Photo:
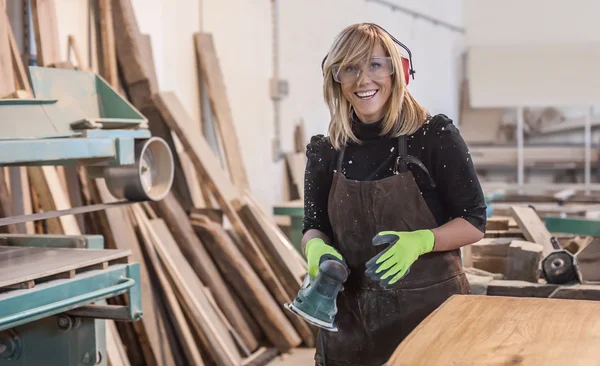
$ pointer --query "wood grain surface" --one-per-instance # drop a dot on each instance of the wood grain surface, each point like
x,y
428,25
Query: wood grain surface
x,y
490,330
21,264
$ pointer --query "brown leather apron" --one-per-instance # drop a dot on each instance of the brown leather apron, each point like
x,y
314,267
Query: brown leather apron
x,y
372,321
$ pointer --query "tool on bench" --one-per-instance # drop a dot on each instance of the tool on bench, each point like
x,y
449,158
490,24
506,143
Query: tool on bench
x,y
53,288
316,300
560,266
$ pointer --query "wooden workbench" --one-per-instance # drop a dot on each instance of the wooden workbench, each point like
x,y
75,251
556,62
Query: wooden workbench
x,y
493,330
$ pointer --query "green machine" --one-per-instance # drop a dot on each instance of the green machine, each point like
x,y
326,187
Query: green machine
x,y
53,288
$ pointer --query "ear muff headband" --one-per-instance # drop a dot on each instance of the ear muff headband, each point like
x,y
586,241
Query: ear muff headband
x,y
407,64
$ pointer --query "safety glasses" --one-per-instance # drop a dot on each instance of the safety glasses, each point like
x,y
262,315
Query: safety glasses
x,y
378,69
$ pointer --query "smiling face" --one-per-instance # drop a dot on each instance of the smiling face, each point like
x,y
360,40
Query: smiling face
x,y
369,96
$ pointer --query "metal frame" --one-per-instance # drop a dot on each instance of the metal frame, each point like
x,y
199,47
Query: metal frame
x,y
59,296
587,145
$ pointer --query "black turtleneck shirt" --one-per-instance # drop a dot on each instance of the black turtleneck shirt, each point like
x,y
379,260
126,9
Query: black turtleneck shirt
x,y
437,144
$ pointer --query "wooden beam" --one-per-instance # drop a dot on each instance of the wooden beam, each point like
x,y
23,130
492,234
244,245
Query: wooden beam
x,y
190,290
533,227
213,74
106,50
45,26
118,230
167,288
523,261
194,250
244,280
7,81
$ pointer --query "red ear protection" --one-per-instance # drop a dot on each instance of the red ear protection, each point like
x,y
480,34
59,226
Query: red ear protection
x,y
407,64
406,69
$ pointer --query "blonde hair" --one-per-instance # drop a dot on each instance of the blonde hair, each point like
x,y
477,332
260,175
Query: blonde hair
x,y
404,114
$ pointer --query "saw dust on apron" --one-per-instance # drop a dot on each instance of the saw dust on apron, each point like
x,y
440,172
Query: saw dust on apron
x,y
373,321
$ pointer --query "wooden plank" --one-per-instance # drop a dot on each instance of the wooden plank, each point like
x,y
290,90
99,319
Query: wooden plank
x,y
221,345
475,330
115,349
286,247
523,261
46,31
533,227
29,263
543,209
20,74
247,284
213,75
300,138
194,250
202,156
578,292
588,258
129,53
21,197
145,43
490,254
118,232
134,55
296,163
106,51
261,357
6,209
497,224
7,81
53,197
275,253
241,346
167,288
519,289
207,165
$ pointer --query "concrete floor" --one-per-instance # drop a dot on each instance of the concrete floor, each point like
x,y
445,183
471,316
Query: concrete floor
x,y
298,357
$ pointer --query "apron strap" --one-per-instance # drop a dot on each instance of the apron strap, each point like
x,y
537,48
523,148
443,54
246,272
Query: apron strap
x,y
340,159
403,159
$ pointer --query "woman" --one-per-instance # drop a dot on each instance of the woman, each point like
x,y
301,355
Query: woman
x,y
393,193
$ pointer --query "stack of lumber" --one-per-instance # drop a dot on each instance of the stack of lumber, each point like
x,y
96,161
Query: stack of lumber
x,y
215,268
506,262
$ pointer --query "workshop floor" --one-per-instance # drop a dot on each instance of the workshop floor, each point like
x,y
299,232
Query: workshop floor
x,y
299,357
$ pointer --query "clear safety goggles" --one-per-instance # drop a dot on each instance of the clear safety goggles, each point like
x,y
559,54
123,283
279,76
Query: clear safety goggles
x,y
379,68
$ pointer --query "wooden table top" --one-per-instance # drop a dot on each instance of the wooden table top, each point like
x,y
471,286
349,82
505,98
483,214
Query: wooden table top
x,y
494,330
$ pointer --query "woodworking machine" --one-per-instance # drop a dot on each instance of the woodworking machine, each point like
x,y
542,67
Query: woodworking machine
x,y
53,288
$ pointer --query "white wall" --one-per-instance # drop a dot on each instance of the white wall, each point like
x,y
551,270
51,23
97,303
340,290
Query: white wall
x,y
242,32
519,65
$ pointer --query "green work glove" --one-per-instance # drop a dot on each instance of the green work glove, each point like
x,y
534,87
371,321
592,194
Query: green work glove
x,y
315,250
405,247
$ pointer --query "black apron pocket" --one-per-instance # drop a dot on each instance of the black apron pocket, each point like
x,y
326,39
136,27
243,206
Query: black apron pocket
x,y
389,316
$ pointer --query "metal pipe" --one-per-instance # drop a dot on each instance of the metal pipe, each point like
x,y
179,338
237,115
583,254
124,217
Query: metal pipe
x,y
71,303
520,152
588,145
417,15
275,92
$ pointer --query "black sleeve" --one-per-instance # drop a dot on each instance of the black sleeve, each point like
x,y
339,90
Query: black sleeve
x,y
317,182
454,173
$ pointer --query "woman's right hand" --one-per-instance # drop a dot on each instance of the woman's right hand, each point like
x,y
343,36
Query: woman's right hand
x,y
315,250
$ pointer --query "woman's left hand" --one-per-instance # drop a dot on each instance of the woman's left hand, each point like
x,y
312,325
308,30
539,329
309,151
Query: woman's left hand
x,y
392,264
